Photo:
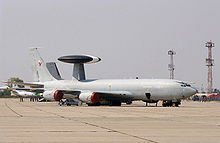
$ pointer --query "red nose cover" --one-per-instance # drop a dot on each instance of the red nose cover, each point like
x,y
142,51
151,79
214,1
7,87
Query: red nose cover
x,y
58,95
95,97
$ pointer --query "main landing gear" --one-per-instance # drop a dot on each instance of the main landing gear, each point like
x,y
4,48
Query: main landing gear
x,y
110,103
152,101
170,103
69,102
149,103
115,103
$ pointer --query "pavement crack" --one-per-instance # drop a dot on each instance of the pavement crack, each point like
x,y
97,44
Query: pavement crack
x,y
19,115
119,132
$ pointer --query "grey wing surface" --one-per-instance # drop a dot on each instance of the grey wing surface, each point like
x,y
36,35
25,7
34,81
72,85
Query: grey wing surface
x,y
114,95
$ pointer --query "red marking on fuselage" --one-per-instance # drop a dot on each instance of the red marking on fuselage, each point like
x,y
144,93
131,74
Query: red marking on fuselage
x,y
39,63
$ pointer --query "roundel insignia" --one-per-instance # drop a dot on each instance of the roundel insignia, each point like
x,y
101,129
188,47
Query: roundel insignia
x,y
39,63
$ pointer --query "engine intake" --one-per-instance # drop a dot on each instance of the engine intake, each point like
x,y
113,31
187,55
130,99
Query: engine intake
x,y
89,97
53,95
58,95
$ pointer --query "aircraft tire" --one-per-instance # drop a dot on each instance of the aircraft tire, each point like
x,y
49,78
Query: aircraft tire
x,y
94,104
115,103
167,103
177,104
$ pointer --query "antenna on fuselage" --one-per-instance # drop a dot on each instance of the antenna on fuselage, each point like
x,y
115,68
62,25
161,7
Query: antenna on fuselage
x,y
79,61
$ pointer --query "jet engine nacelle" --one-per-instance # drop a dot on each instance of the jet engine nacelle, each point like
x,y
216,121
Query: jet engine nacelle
x,y
89,97
53,95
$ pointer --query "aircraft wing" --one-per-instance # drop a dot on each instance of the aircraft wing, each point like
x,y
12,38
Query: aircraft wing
x,y
72,92
115,95
41,90
37,87
33,85
108,95
38,90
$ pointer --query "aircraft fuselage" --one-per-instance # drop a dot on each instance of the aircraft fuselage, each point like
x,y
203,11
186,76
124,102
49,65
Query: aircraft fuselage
x,y
134,89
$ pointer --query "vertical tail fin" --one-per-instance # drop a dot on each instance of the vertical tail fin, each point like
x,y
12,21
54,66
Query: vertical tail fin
x,y
39,69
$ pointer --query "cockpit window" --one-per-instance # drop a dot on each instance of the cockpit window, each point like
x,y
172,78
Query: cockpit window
x,y
183,84
188,85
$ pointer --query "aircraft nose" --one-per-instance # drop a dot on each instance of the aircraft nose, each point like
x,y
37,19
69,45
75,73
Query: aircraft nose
x,y
193,91
190,91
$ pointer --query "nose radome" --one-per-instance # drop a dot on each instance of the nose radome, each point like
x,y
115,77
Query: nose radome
x,y
190,91
193,91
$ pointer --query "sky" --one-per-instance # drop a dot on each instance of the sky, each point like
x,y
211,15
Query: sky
x,y
131,37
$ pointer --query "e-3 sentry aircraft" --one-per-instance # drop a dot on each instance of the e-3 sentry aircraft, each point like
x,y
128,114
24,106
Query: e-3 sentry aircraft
x,y
104,91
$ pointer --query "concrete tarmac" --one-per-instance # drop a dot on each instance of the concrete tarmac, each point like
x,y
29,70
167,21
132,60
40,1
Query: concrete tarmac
x,y
35,122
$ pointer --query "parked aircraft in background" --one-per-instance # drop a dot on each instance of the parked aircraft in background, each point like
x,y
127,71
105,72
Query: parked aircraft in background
x,y
26,94
4,87
103,92
22,93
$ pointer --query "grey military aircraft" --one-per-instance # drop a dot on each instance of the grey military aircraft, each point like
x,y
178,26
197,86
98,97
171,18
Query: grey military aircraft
x,y
103,91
